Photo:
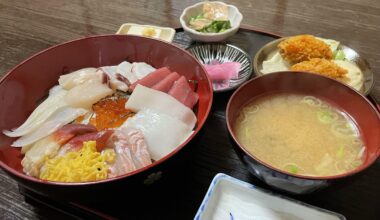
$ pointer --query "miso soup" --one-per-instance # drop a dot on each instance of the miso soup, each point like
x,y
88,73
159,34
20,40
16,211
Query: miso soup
x,y
300,134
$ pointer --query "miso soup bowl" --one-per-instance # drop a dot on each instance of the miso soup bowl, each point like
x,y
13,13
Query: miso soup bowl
x,y
358,107
23,88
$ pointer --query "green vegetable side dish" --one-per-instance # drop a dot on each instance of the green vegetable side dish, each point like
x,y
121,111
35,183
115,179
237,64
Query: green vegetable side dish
x,y
216,27
204,25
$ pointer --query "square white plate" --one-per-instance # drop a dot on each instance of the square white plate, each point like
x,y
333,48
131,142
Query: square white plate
x,y
232,199
162,33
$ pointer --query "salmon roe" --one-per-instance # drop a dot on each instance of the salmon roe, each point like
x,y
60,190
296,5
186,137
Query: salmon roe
x,y
110,113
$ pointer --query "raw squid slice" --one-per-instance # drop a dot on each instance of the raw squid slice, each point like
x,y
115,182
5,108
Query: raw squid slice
x,y
162,133
52,104
56,121
146,98
85,95
125,69
152,78
47,147
115,80
131,151
78,77
141,69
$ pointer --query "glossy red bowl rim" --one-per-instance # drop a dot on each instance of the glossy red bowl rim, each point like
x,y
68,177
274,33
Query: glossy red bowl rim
x,y
156,163
332,177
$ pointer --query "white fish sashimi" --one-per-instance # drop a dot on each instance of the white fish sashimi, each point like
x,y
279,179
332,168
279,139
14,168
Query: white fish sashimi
x,y
53,90
56,121
141,69
52,104
85,75
85,95
115,82
125,69
152,124
146,98
39,152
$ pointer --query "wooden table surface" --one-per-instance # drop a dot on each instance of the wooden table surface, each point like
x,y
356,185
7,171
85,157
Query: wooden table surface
x,y
27,27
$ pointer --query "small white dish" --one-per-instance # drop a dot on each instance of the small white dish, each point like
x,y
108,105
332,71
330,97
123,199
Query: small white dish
x,y
162,33
234,16
229,198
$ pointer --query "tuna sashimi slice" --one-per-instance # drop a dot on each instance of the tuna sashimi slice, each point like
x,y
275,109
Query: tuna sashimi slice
x,y
223,71
191,99
180,89
151,79
146,98
165,84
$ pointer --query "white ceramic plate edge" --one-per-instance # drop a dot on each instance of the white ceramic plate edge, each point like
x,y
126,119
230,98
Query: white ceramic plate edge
x,y
220,177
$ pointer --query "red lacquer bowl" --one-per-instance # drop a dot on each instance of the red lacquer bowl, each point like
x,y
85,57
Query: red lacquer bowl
x,y
28,83
343,97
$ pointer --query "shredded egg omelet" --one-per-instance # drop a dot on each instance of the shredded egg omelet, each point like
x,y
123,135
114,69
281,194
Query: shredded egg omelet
x,y
84,165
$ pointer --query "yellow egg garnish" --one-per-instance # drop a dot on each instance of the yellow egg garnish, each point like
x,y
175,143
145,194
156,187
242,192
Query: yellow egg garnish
x,y
84,165
149,32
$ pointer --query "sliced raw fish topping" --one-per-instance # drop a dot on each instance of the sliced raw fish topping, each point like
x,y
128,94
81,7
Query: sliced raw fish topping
x,y
55,102
87,94
146,98
76,143
125,69
151,79
165,84
182,91
78,77
141,69
163,133
132,151
56,121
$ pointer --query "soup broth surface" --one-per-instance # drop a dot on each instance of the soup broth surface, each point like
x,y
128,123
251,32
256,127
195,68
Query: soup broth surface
x,y
300,134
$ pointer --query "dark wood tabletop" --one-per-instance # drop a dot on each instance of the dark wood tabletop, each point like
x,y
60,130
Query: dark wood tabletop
x,y
27,27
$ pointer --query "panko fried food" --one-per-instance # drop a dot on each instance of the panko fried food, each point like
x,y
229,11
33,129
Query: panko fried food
x,y
323,67
303,48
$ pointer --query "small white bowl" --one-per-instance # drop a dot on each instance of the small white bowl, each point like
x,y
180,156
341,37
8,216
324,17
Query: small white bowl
x,y
234,16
